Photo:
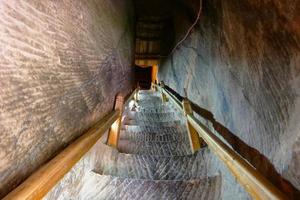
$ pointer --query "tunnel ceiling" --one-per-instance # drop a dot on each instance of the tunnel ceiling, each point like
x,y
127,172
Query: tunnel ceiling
x,y
153,20
155,27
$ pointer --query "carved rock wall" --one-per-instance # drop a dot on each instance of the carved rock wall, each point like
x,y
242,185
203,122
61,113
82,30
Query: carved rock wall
x,y
61,64
242,64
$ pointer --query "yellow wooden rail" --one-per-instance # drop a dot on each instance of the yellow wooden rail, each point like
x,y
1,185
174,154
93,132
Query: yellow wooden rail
x,y
45,178
130,97
252,180
114,131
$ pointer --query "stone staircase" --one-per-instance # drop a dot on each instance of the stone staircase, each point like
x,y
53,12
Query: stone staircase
x,y
153,160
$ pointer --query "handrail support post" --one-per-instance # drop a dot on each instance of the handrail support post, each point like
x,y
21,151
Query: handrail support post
x,y
136,95
164,97
153,87
195,142
114,131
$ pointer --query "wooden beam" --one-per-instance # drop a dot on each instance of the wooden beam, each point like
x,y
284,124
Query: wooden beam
x,y
146,62
114,131
193,136
154,73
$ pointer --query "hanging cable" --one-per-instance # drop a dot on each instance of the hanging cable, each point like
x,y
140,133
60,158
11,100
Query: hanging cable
x,y
189,30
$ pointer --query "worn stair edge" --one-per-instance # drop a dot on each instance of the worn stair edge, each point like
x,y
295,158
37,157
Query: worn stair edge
x,y
110,187
154,167
133,147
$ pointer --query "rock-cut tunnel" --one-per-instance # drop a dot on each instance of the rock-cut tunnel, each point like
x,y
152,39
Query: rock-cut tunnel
x,y
201,73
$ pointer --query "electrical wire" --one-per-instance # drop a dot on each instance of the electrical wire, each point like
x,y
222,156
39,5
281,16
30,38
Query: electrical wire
x,y
189,30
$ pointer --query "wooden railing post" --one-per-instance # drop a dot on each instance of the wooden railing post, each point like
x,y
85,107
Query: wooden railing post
x,y
153,87
163,95
114,131
136,95
192,133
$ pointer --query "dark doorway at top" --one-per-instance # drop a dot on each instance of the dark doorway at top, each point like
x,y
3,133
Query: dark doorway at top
x,y
143,77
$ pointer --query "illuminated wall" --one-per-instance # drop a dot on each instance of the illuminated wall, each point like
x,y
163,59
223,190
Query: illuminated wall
x,y
242,64
61,64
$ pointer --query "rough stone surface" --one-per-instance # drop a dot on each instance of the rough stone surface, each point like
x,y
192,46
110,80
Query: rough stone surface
x,y
144,172
61,64
154,167
240,67
108,187
174,148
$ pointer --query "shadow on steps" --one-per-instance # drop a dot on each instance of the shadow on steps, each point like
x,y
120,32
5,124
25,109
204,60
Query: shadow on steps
x,y
252,155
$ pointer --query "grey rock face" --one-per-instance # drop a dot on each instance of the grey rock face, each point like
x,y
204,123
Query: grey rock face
x,y
61,65
242,64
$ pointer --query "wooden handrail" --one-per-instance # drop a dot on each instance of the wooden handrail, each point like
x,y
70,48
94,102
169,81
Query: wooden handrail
x,y
46,177
252,180
114,131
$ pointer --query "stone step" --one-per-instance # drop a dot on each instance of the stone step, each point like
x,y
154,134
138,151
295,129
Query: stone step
x,y
153,117
152,98
155,129
154,167
148,92
155,109
149,104
155,137
152,108
152,123
115,188
154,148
